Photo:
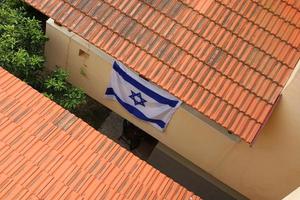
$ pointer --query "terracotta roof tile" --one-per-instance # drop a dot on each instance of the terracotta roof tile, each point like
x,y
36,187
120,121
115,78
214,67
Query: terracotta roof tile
x,y
236,54
48,153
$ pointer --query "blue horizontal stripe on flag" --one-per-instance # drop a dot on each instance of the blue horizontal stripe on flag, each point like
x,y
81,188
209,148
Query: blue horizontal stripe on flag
x,y
134,111
142,88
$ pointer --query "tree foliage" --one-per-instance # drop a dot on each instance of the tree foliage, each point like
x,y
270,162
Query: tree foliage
x,y
22,42
57,88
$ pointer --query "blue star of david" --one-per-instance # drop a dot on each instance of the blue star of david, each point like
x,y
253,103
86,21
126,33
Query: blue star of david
x,y
137,98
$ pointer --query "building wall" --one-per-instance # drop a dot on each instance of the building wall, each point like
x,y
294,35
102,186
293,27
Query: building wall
x,y
268,170
295,195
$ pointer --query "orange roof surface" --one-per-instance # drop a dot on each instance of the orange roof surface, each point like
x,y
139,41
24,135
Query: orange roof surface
x,y
48,153
228,59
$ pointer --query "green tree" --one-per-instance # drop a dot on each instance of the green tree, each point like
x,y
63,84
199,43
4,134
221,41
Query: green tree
x,y
22,42
57,88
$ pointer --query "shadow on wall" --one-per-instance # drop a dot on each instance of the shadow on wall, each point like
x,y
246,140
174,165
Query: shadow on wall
x,y
189,179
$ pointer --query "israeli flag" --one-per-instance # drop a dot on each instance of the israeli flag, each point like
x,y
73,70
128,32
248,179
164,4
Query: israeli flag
x,y
139,97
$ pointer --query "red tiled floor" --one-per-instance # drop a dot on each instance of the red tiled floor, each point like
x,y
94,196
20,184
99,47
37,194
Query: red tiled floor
x,y
253,45
48,153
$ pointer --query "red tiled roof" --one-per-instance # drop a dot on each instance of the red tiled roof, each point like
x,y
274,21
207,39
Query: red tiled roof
x,y
228,59
48,153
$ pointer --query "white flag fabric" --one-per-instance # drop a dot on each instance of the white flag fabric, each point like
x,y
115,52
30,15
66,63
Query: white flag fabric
x,y
141,98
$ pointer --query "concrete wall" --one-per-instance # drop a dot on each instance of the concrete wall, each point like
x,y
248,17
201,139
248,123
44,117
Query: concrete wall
x,y
268,170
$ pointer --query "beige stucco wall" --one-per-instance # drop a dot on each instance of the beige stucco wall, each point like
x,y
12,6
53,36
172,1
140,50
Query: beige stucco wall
x,y
269,170
295,195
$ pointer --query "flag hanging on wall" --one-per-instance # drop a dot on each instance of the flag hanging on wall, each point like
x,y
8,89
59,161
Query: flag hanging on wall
x,y
141,98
